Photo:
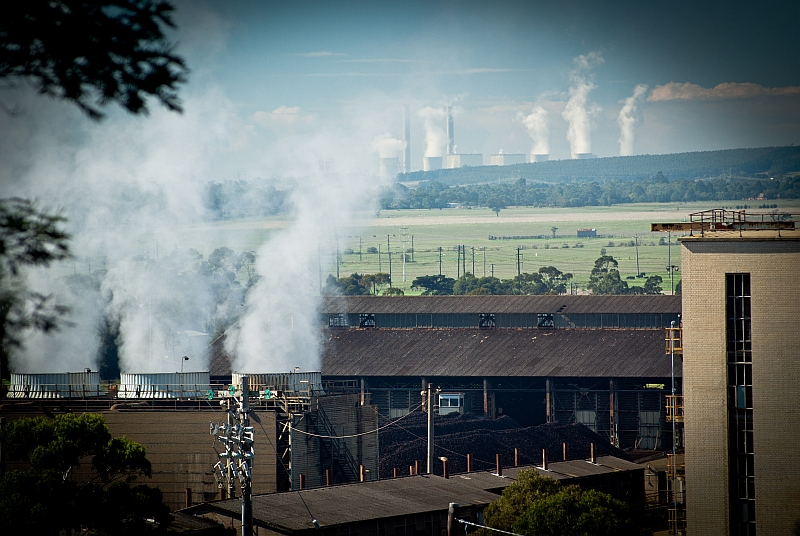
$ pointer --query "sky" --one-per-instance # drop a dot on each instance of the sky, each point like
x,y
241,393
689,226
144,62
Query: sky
x,y
311,94
717,75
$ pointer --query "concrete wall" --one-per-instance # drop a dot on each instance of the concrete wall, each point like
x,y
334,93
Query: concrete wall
x,y
775,288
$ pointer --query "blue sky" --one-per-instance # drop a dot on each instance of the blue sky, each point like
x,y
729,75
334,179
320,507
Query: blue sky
x,y
303,63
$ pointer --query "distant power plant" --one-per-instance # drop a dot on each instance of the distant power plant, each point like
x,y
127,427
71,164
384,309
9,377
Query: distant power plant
x,y
389,167
453,161
431,163
501,159
451,141
585,156
539,157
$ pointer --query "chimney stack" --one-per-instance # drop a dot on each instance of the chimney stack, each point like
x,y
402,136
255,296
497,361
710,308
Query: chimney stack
x,y
544,459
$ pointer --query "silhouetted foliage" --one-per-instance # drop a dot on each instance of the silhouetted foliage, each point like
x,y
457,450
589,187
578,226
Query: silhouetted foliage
x,y
93,53
50,497
29,237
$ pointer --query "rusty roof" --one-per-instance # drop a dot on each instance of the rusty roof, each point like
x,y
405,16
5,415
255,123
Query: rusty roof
x,y
565,304
473,352
293,511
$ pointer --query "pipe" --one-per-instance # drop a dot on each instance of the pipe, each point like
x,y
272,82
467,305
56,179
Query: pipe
x,y
361,473
445,472
592,453
451,514
544,459
394,473
302,481
188,497
516,457
564,451
328,477
469,463
498,465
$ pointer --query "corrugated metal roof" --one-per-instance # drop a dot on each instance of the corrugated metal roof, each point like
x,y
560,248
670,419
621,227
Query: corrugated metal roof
x,y
472,352
338,505
503,304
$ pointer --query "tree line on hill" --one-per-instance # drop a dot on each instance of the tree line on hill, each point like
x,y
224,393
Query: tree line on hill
x,y
768,161
658,189
604,279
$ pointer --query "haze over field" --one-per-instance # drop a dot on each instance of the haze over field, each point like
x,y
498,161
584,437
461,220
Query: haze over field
x,y
311,94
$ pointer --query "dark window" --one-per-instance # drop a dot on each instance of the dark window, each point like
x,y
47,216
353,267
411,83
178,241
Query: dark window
x,y
366,320
486,321
545,320
740,405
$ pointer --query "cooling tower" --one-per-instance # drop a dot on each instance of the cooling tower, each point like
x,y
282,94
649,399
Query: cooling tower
x,y
164,385
463,160
540,157
431,163
289,383
585,156
389,167
503,159
58,385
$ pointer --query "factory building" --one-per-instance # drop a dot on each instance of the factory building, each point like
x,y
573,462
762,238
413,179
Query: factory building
x,y
595,360
504,159
741,351
453,161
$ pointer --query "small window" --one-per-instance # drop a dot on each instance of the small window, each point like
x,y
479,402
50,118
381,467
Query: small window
x,y
337,321
366,320
486,321
545,320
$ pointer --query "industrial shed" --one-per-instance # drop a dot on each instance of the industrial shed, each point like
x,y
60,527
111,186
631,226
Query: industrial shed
x,y
415,504
595,360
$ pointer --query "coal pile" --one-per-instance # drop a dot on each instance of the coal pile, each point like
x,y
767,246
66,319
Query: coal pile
x,y
457,435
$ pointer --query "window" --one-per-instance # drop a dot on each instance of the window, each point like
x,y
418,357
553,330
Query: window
x,y
740,405
337,321
366,320
545,320
486,321
587,417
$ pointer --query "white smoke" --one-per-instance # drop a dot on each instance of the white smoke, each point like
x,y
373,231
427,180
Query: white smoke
x,y
577,111
126,185
538,130
435,135
387,146
627,120
280,329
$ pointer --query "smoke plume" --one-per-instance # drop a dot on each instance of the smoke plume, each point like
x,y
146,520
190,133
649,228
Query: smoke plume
x,y
577,111
387,146
536,123
627,120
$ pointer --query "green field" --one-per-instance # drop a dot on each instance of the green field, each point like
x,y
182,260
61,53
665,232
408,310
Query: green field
x,y
617,226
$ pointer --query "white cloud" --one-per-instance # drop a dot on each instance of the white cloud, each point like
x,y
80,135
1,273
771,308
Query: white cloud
x,y
726,90
320,54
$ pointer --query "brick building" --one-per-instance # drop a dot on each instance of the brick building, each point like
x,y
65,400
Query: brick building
x,y
741,348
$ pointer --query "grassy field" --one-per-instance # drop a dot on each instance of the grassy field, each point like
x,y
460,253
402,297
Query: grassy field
x,y
618,227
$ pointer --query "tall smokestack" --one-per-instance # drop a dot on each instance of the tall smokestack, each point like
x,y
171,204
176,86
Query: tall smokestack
x,y
407,138
450,136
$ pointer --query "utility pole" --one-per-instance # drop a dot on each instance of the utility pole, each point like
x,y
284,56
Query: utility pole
x,y
389,254
440,260
669,261
484,262
458,263
638,272
359,249
464,257
519,262
237,436
380,265
430,394
412,248
473,261
492,269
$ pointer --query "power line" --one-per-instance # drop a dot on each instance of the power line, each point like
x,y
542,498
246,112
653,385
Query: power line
x,y
356,435
465,522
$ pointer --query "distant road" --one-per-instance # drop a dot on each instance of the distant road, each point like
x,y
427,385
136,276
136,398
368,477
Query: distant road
x,y
589,215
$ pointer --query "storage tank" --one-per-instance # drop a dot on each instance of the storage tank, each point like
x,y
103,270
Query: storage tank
x,y
291,383
164,385
55,385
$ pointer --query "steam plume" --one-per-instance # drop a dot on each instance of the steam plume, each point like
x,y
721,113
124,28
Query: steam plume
x,y
577,112
627,120
435,137
536,123
387,146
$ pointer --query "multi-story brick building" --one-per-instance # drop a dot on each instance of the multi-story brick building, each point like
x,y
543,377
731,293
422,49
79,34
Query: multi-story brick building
x,y
741,373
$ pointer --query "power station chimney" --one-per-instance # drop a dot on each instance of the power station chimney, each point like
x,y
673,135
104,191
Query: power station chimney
x,y
450,135
406,168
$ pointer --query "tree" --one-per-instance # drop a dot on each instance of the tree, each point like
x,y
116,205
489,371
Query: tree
x,y
553,230
393,291
575,512
29,237
516,499
93,53
434,285
496,204
605,278
53,497
376,281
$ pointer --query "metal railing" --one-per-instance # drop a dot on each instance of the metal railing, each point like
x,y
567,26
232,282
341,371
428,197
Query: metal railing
x,y
674,408
54,390
674,336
